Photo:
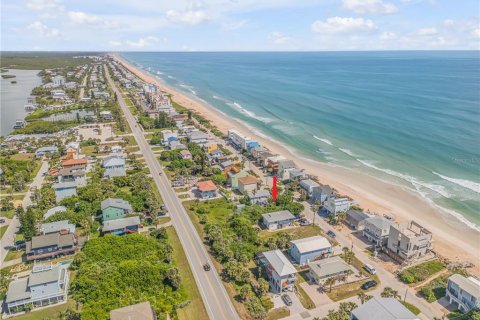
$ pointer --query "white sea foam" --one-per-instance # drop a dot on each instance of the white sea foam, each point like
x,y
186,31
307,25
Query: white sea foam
x,y
158,72
247,112
171,77
324,140
412,180
471,185
350,153
189,88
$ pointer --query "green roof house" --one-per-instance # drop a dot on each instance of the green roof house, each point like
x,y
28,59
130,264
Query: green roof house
x,y
114,208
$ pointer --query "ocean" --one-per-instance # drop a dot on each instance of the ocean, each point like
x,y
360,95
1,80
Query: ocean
x,y
412,118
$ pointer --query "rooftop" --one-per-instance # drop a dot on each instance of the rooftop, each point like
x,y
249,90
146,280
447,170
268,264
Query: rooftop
x,y
65,185
248,180
311,244
52,239
412,229
470,284
278,216
309,183
120,223
139,311
279,262
259,194
208,185
51,227
74,162
357,214
379,222
329,266
383,309
116,203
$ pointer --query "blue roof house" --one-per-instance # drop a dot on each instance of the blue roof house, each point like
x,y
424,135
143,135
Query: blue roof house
x,y
114,166
64,190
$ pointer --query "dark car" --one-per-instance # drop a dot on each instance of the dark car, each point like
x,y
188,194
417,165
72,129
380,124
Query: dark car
x,y
286,298
160,214
369,284
206,267
331,233
304,222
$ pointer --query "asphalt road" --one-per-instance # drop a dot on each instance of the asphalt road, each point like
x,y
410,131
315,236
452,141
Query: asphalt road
x,y
9,236
214,295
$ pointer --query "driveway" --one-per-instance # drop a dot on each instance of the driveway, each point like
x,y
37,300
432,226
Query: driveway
x,y
295,308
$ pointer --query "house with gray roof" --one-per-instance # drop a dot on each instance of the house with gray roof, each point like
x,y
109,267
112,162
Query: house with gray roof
x,y
356,219
333,267
278,220
382,309
280,272
377,230
122,225
57,226
115,208
463,292
46,285
199,137
139,311
64,190
309,186
309,249
284,168
259,197
50,246
323,193
40,152
114,166
71,175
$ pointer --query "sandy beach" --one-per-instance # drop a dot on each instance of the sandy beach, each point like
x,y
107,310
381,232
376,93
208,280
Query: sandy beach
x,y
452,238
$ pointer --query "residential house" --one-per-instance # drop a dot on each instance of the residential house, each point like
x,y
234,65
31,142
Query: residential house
x,y
323,193
64,190
69,175
106,115
280,272
168,136
58,94
309,186
53,211
237,139
75,164
71,153
278,220
45,150
272,163
46,285
139,311
186,155
337,204
115,208
463,292
259,197
61,226
409,240
260,155
233,174
382,309
333,267
377,230
356,219
284,168
198,137
247,183
114,166
224,165
176,145
309,249
297,175
122,225
209,147
207,189
50,246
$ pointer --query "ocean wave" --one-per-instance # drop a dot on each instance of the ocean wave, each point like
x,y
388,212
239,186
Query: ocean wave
x,y
471,185
189,88
412,180
249,113
158,72
324,140
350,153
170,77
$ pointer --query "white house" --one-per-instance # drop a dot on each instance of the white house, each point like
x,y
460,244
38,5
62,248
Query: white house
x,y
337,204
309,249
463,292
58,81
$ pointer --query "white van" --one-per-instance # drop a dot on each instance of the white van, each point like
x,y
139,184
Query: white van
x,y
370,269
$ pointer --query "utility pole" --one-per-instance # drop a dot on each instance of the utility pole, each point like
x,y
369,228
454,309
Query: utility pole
x,y
405,297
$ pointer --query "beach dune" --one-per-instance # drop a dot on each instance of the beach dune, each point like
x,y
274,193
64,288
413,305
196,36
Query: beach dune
x,y
452,238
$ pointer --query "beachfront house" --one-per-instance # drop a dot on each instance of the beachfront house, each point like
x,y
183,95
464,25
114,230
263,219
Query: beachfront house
x,y
64,190
237,139
114,166
309,186
247,184
284,168
280,272
278,220
333,267
50,246
260,155
139,311
309,249
337,204
271,163
356,219
377,230
45,285
463,293
297,174
121,226
61,226
323,193
115,208
259,197
382,309
198,137
409,240
206,189
43,151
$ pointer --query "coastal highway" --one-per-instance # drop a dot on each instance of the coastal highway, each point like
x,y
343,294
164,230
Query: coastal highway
x,y
214,295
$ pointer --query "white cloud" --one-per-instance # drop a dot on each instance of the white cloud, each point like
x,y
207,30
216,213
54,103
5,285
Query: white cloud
x,y
448,23
82,18
388,36
44,5
369,6
192,17
426,32
234,25
138,44
44,30
343,25
280,38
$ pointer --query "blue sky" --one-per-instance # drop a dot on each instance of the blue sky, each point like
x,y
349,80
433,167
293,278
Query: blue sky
x,y
239,25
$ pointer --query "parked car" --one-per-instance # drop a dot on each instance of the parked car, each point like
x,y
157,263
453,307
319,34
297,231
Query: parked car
x,y
370,268
286,298
163,207
304,222
160,214
331,233
2,220
369,284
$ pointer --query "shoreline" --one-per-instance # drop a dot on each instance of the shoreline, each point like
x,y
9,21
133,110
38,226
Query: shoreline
x,y
453,239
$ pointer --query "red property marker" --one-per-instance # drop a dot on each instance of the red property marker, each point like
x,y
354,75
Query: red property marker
x,y
274,189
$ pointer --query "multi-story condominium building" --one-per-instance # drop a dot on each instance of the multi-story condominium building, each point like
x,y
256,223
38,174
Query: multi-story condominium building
x,y
409,240
463,292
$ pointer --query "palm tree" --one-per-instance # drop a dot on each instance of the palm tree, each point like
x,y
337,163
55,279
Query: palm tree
x,y
389,293
330,282
363,297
